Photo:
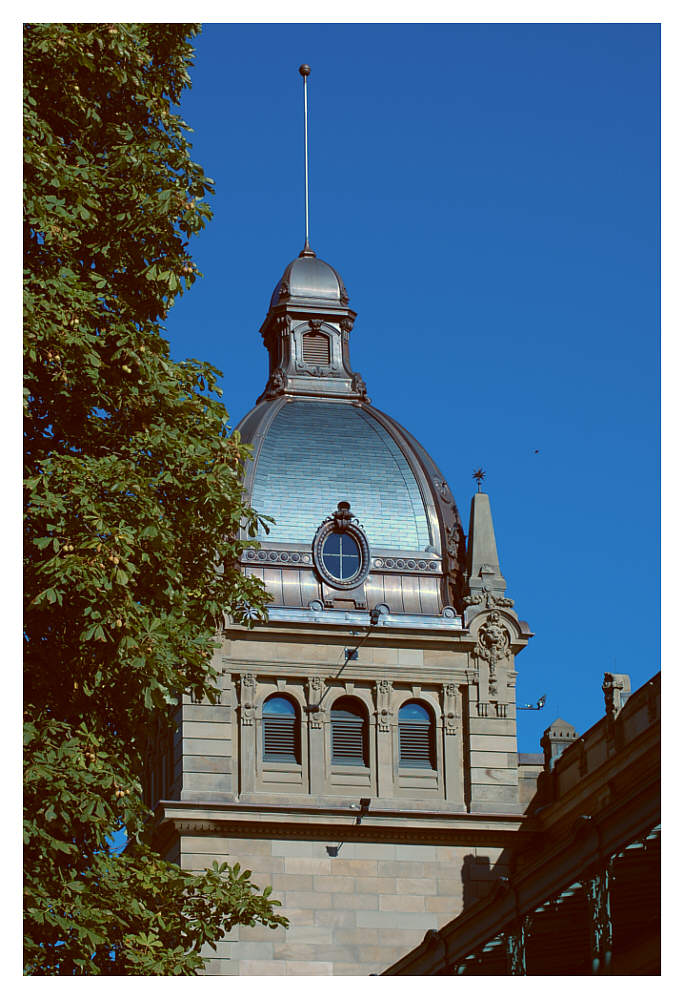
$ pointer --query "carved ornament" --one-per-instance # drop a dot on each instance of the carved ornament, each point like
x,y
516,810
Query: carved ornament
x,y
314,696
493,646
383,712
359,386
449,708
317,370
485,596
248,693
275,384
443,489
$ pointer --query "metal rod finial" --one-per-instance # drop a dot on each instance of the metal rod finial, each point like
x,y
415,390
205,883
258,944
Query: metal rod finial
x,y
305,70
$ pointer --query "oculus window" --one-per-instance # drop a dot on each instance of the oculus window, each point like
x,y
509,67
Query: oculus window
x,y
341,550
341,556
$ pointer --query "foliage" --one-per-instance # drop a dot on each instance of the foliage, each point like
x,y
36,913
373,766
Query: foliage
x,y
133,499
92,912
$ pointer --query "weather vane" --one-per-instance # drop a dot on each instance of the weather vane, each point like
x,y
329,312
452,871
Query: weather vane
x,y
479,475
305,70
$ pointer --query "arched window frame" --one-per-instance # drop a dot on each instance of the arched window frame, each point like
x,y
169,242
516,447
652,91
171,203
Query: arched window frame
x,y
417,738
344,735
281,728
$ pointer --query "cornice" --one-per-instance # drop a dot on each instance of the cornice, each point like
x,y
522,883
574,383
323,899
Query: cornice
x,y
266,821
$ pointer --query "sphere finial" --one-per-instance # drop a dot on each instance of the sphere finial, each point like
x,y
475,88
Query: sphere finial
x,y
305,70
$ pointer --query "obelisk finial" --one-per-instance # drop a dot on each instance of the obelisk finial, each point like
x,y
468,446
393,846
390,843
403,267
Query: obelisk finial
x,y
305,70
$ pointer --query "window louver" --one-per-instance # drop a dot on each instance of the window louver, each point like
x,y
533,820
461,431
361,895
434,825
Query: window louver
x,y
416,735
281,730
316,348
348,735
416,744
280,739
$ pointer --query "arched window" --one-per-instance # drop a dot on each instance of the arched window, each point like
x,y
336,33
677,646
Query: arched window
x,y
417,736
349,732
281,729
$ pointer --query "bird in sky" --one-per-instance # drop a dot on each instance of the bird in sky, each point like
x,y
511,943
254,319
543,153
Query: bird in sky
x,y
536,451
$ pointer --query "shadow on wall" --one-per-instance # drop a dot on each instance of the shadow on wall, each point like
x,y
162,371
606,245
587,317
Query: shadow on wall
x,y
478,876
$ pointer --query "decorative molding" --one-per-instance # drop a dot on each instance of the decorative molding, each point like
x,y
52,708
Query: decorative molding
x,y
453,541
248,694
275,384
316,370
597,891
489,598
300,825
383,690
450,693
414,565
359,386
612,688
266,555
314,696
493,646
443,489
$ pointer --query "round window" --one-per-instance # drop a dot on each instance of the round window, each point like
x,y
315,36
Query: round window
x,y
341,551
341,556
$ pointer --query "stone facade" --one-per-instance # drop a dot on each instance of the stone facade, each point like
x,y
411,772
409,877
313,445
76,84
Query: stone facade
x,y
472,703
365,859
353,907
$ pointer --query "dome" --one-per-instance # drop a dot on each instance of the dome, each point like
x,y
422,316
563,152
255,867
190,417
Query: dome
x,y
313,280
309,454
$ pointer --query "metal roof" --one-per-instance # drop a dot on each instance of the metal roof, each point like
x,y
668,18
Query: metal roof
x,y
315,453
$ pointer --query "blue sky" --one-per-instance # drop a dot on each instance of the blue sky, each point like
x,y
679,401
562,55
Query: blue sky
x,y
489,194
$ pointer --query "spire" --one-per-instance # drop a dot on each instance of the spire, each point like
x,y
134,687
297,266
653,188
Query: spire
x,y
483,561
308,325
307,251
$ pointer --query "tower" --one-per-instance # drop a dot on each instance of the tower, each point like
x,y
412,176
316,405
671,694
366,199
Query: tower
x,y
363,758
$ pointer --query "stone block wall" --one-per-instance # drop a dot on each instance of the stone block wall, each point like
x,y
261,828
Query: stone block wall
x,y
354,908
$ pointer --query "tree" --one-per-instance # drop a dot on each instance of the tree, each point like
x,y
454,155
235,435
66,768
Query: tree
x,y
133,501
